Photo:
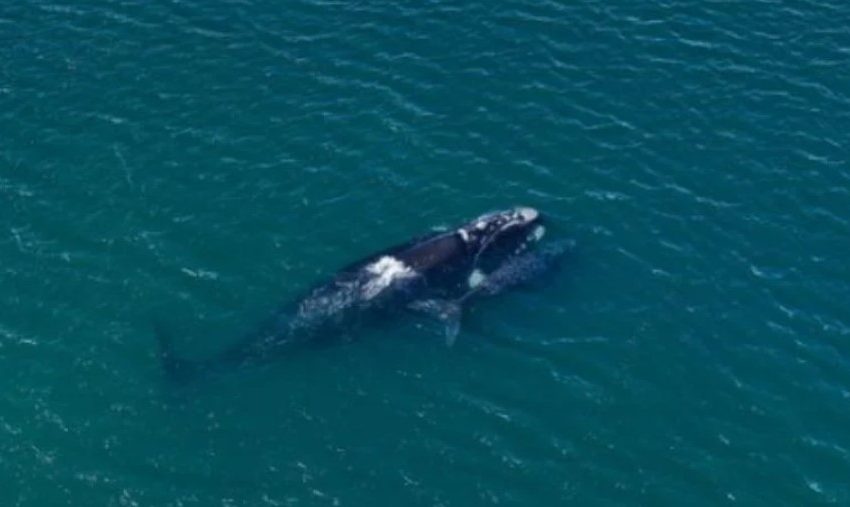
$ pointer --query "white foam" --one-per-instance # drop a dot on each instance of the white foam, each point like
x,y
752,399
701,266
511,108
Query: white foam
x,y
385,271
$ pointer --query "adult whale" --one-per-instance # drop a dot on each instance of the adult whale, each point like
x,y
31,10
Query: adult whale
x,y
430,274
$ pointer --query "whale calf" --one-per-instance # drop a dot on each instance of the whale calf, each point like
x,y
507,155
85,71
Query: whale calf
x,y
435,274
514,271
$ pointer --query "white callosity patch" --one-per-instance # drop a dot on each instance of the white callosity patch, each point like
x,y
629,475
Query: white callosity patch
x,y
538,233
533,237
382,273
527,214
463,235
476,278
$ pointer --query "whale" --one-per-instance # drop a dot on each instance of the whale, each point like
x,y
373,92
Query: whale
x,y
435,274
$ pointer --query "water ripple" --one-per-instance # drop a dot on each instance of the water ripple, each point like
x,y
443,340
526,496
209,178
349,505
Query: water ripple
x,y
208,161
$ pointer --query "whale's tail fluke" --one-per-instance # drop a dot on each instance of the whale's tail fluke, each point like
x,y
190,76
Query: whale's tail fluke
x,y
177,369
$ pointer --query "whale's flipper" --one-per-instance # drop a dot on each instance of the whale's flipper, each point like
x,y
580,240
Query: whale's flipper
x,y
176,369
448,312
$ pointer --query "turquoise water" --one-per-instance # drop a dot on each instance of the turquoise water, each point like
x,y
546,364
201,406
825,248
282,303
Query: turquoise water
x,y
202,162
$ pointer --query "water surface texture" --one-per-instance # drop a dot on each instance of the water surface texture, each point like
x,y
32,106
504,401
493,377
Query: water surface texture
x,y
201,162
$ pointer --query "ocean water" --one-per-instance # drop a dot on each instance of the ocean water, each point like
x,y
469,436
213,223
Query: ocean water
x,y
202,162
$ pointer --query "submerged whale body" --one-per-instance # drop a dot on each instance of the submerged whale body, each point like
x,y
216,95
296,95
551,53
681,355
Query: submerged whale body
x,y
435,274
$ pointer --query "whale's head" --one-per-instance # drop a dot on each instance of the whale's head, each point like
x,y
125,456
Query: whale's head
x,y
496,236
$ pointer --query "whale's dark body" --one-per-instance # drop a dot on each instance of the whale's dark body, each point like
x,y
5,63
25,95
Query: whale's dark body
x,y
440,270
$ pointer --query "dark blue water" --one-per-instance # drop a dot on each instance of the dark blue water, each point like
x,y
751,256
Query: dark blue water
x,y
202,162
